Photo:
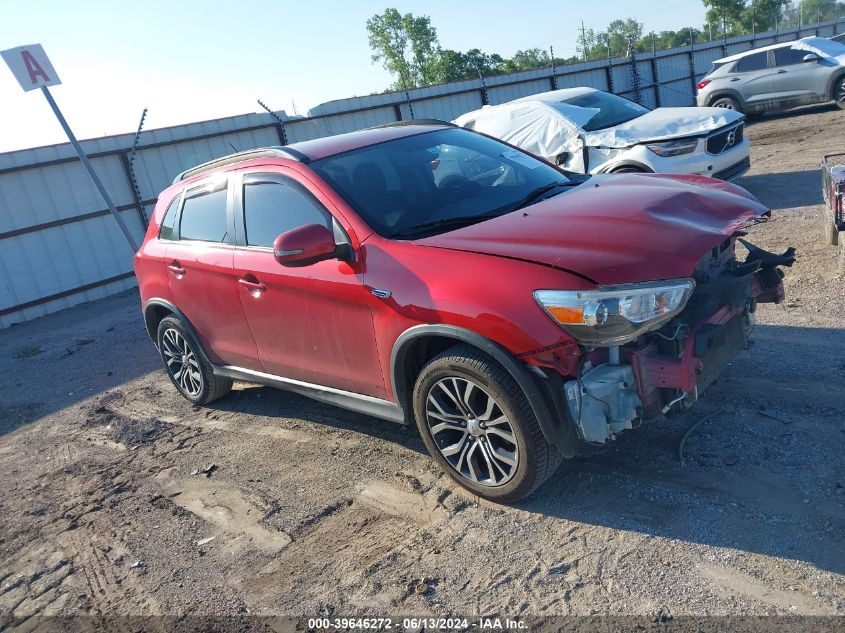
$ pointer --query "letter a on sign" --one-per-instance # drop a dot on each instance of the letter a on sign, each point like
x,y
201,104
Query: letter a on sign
x,y
31,66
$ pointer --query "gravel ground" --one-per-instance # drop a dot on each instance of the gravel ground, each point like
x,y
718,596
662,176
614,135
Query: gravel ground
x,y
118,497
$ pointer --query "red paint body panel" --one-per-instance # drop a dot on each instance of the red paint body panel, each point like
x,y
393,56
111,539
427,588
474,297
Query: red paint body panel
x,y
312,323
207,294
617,228
491,296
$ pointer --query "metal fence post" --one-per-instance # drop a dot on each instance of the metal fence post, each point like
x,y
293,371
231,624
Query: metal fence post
x,y
485,100
133,187
691,59
280,130
635,72
657,98
129,168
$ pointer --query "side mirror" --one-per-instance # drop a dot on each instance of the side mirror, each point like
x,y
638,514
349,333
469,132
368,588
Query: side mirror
x,y
562,158
810,57
304,245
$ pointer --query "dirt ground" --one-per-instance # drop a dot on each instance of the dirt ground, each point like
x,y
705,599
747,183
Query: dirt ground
x,y
107,508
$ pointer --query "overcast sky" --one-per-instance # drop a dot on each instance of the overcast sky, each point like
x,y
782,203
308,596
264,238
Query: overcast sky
x,y
187,60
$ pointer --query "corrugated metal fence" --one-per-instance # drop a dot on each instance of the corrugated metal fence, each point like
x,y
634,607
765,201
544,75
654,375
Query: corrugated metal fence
x,y
60,247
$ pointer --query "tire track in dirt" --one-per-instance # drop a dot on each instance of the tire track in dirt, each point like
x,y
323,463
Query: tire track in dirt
x,y
337,553
735,582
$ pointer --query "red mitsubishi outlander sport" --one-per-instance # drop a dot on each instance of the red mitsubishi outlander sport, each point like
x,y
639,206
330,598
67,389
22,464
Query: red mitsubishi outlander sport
x,y
428,274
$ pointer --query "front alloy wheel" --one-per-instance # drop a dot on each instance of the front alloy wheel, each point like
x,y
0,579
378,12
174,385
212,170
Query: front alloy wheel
x,y
479,426
471,431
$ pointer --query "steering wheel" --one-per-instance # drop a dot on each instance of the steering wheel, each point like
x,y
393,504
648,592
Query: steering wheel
x,y
457,186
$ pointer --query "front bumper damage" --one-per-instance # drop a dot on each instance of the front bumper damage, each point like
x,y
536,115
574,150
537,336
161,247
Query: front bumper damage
x,y
619,388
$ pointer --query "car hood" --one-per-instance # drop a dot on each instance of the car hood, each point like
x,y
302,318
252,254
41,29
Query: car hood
x,y
663,124
616,228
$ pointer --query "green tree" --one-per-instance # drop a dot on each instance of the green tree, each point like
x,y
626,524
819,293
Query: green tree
x,y
814,10
762,15
725,14
406,46
528,60
614,41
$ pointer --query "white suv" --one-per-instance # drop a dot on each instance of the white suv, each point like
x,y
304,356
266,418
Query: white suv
x,y
590,131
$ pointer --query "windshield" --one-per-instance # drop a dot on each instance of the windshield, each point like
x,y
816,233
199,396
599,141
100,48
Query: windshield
x,y
613,110
436,181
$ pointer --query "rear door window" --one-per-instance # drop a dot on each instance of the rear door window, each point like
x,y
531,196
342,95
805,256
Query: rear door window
x,y
789,56
204,216
169,221
750,63
273,207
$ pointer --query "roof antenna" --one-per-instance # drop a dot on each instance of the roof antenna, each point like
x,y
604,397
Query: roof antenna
x,y
283,136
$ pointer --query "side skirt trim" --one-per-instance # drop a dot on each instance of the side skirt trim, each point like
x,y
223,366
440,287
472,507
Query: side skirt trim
x,y
367,405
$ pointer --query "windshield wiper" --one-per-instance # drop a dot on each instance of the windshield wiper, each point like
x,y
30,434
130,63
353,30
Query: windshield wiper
x,y
539,191
450,223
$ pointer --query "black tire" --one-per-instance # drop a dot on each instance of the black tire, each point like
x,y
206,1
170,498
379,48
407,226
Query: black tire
x,y
199,385
629,170
729,103
535,459
839,91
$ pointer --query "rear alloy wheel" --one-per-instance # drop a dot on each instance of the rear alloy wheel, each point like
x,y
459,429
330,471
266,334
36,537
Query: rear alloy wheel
x,y
728,103
186,366
479,426
839,92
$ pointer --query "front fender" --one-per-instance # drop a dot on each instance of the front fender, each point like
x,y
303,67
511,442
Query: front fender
x,y
550,419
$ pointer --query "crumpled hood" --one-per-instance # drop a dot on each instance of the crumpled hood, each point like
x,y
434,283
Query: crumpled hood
x,y
616,228
663,124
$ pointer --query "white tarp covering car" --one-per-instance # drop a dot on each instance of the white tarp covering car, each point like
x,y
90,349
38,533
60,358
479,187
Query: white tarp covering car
x,y
587,130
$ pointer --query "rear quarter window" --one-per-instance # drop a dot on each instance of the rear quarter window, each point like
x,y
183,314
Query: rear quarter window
x,y
169,221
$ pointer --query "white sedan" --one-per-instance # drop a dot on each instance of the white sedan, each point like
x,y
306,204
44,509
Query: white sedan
x,y
590,131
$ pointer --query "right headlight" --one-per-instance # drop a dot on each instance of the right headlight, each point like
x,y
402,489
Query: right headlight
x,y
674,148
615,315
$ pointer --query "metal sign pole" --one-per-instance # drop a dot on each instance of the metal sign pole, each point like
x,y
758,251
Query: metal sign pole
x,y
89,168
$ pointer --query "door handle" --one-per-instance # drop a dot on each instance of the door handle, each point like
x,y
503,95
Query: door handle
x,y
176,269
781,71
252,284
736,79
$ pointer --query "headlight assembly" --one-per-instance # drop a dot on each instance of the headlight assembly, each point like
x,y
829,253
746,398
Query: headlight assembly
x,y
674,148
615,315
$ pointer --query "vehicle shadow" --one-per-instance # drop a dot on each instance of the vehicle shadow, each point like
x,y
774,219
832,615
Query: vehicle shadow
x,y
763,475
812,109
276,403
787,190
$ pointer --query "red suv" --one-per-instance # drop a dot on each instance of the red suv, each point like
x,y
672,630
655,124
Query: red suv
x,y
428,274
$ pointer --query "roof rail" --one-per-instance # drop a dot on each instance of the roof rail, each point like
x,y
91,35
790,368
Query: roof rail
x,y
261,152
413,122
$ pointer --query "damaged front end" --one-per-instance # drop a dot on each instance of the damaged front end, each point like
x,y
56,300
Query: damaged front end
x,y
646,375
